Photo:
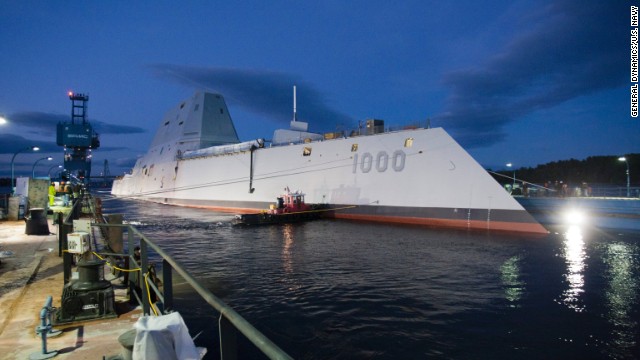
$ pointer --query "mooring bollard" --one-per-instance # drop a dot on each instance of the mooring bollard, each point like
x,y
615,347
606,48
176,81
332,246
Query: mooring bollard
x,y
44,329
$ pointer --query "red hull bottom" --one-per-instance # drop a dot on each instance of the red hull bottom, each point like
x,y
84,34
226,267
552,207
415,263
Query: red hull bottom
x,y
510,221
512,227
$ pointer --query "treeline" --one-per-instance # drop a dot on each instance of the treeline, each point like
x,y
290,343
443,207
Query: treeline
x,y
605,170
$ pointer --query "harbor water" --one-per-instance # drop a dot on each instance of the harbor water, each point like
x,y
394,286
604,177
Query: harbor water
x,y
348,290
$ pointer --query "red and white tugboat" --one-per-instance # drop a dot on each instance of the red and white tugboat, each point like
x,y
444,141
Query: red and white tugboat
x,y
290,207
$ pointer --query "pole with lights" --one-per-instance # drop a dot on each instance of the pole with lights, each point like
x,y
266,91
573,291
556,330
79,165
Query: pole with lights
x,y
509,165
53,167
622,158
32,148
33,169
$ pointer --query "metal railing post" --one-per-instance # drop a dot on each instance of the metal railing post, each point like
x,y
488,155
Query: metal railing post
x,y
62,233
132,265
143,272
75,209
167,289
67,258
228,339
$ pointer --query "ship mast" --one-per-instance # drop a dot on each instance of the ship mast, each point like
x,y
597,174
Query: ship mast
x,y
295,115
296,125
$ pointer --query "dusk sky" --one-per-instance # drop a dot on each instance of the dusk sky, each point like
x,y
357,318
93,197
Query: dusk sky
x,y
525,82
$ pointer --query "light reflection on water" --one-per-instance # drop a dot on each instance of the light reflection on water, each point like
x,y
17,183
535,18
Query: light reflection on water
x,y
574,254
514,286
622,270
287,235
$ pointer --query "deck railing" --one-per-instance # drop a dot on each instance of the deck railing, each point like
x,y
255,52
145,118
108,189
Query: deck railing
x,y
230,322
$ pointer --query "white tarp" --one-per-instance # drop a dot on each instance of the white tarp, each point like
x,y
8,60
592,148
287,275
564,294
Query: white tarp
x,y
164,337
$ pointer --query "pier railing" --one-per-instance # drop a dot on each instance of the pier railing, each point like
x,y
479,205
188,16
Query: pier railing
x,y
230,322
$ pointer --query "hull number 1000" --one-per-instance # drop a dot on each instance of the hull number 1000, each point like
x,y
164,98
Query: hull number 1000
x,y
381,162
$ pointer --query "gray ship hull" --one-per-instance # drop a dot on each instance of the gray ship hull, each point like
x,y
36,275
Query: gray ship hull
x,y
416,176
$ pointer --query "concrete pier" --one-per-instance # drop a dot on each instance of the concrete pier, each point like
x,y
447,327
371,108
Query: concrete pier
x,y
35,272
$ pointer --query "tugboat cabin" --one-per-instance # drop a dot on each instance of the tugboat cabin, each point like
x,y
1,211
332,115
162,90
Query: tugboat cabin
x,y
290,202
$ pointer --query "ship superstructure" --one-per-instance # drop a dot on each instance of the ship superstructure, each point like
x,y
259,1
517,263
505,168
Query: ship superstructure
x,y
415,176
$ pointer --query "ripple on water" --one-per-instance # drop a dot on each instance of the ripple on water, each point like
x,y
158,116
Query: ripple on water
x,y
334,289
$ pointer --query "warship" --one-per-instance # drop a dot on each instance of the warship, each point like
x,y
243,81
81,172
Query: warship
x,y
415,175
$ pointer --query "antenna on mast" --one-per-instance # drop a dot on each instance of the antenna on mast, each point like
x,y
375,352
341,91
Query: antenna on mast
x,y
296,125
295,115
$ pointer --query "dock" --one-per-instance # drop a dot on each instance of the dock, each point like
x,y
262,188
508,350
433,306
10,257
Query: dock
x,y
27,278
95,307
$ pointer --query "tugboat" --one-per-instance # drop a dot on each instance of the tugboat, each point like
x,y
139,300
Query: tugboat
x,y
290,207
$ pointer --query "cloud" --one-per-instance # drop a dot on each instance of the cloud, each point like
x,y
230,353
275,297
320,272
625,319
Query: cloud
x,y
104,128
126,163
41,123
38,123
268,93
575,48
12,143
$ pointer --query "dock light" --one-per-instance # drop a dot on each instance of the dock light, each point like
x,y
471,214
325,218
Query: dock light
x,y
53,167
509,165
622,158
33,169
574,217
3,120
32,148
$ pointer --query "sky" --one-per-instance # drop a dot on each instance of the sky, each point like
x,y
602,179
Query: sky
x,y
523,82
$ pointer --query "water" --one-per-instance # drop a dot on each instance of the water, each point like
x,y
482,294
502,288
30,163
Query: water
x,y
348,290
